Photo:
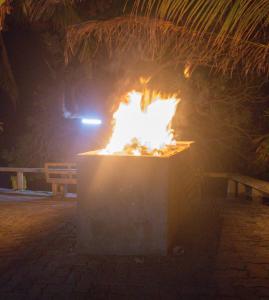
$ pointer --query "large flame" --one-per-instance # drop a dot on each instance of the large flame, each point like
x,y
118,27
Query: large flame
x,y
142,124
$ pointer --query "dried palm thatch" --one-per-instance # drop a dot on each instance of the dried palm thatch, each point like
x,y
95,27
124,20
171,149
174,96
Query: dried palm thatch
x,y
5,8
239,19
159,40
59,13
231,21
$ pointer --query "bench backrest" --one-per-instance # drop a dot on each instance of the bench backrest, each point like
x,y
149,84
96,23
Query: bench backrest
x,y
61,173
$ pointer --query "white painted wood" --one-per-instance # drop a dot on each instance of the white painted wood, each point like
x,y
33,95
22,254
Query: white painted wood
x,y
20,181
54,188
232,188
63,189
24,170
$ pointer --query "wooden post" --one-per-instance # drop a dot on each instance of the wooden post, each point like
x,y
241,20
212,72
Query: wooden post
x,y
232,188
257,196
54,187
241,189
63,189
20,181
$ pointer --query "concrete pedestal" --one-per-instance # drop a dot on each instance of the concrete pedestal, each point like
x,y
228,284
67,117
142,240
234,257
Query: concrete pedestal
x,y
137,205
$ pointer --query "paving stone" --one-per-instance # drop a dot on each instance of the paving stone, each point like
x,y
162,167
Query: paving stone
x,y
263,291
38,259
12,296
36,292
230,273
252,282
257,271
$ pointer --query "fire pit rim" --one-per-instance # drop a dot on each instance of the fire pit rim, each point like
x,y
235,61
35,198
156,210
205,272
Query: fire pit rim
x,y
183,144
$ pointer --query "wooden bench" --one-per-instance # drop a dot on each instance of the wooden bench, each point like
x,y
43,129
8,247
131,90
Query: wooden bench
x,y
20,173
241,185
60,175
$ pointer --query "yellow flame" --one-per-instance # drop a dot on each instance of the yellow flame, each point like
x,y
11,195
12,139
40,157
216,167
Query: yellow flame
x,y
187,71
144,80
142,125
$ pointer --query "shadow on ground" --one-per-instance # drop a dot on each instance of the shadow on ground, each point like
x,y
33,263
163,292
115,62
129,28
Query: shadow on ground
x,y
39,260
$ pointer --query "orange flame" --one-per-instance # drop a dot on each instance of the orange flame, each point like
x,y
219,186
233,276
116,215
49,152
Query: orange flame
x,y
142,125
187,71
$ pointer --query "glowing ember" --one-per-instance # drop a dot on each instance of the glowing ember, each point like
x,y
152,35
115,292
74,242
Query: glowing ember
x,y
142,125
187,71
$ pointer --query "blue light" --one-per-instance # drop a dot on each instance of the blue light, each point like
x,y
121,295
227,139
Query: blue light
x,y
87,121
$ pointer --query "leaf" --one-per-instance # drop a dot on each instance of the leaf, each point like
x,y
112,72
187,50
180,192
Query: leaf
x,y
157,39
232,22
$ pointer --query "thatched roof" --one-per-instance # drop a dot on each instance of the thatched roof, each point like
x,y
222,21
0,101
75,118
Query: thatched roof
x,y
157,39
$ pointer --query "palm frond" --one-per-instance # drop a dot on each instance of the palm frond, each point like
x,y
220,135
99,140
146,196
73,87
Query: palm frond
x,y
60,13
5,8
240,27
233,20
156,39
7,80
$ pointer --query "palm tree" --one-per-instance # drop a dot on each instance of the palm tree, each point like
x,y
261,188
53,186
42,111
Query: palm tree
x,y
238,26
225,34
7,80
53,17
5,8
60,15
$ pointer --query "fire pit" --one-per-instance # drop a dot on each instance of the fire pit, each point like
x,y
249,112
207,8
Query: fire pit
x,y
139,195
137,205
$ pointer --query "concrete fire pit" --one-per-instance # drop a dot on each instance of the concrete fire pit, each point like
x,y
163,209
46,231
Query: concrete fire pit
x,y
137,205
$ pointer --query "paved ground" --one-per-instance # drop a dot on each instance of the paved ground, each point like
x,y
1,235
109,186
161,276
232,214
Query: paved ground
x,y
39,259
242,264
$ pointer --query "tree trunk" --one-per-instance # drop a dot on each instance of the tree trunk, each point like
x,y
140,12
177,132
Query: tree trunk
x,y
7,80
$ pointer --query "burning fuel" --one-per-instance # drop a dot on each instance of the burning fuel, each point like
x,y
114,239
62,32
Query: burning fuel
x,y
142,124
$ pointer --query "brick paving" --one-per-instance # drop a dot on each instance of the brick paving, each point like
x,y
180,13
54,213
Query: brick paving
x,y
39,258
242,263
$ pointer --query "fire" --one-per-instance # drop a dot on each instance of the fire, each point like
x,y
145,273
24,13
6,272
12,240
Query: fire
x,y
187,71
142,124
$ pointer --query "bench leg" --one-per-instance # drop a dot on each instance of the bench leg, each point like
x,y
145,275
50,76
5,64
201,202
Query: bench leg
x,y
54,188
63,189
58,189
257,196
20,181
232,188
241,190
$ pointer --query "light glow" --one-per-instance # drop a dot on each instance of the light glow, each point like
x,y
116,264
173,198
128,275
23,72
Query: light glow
x,y
87,121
